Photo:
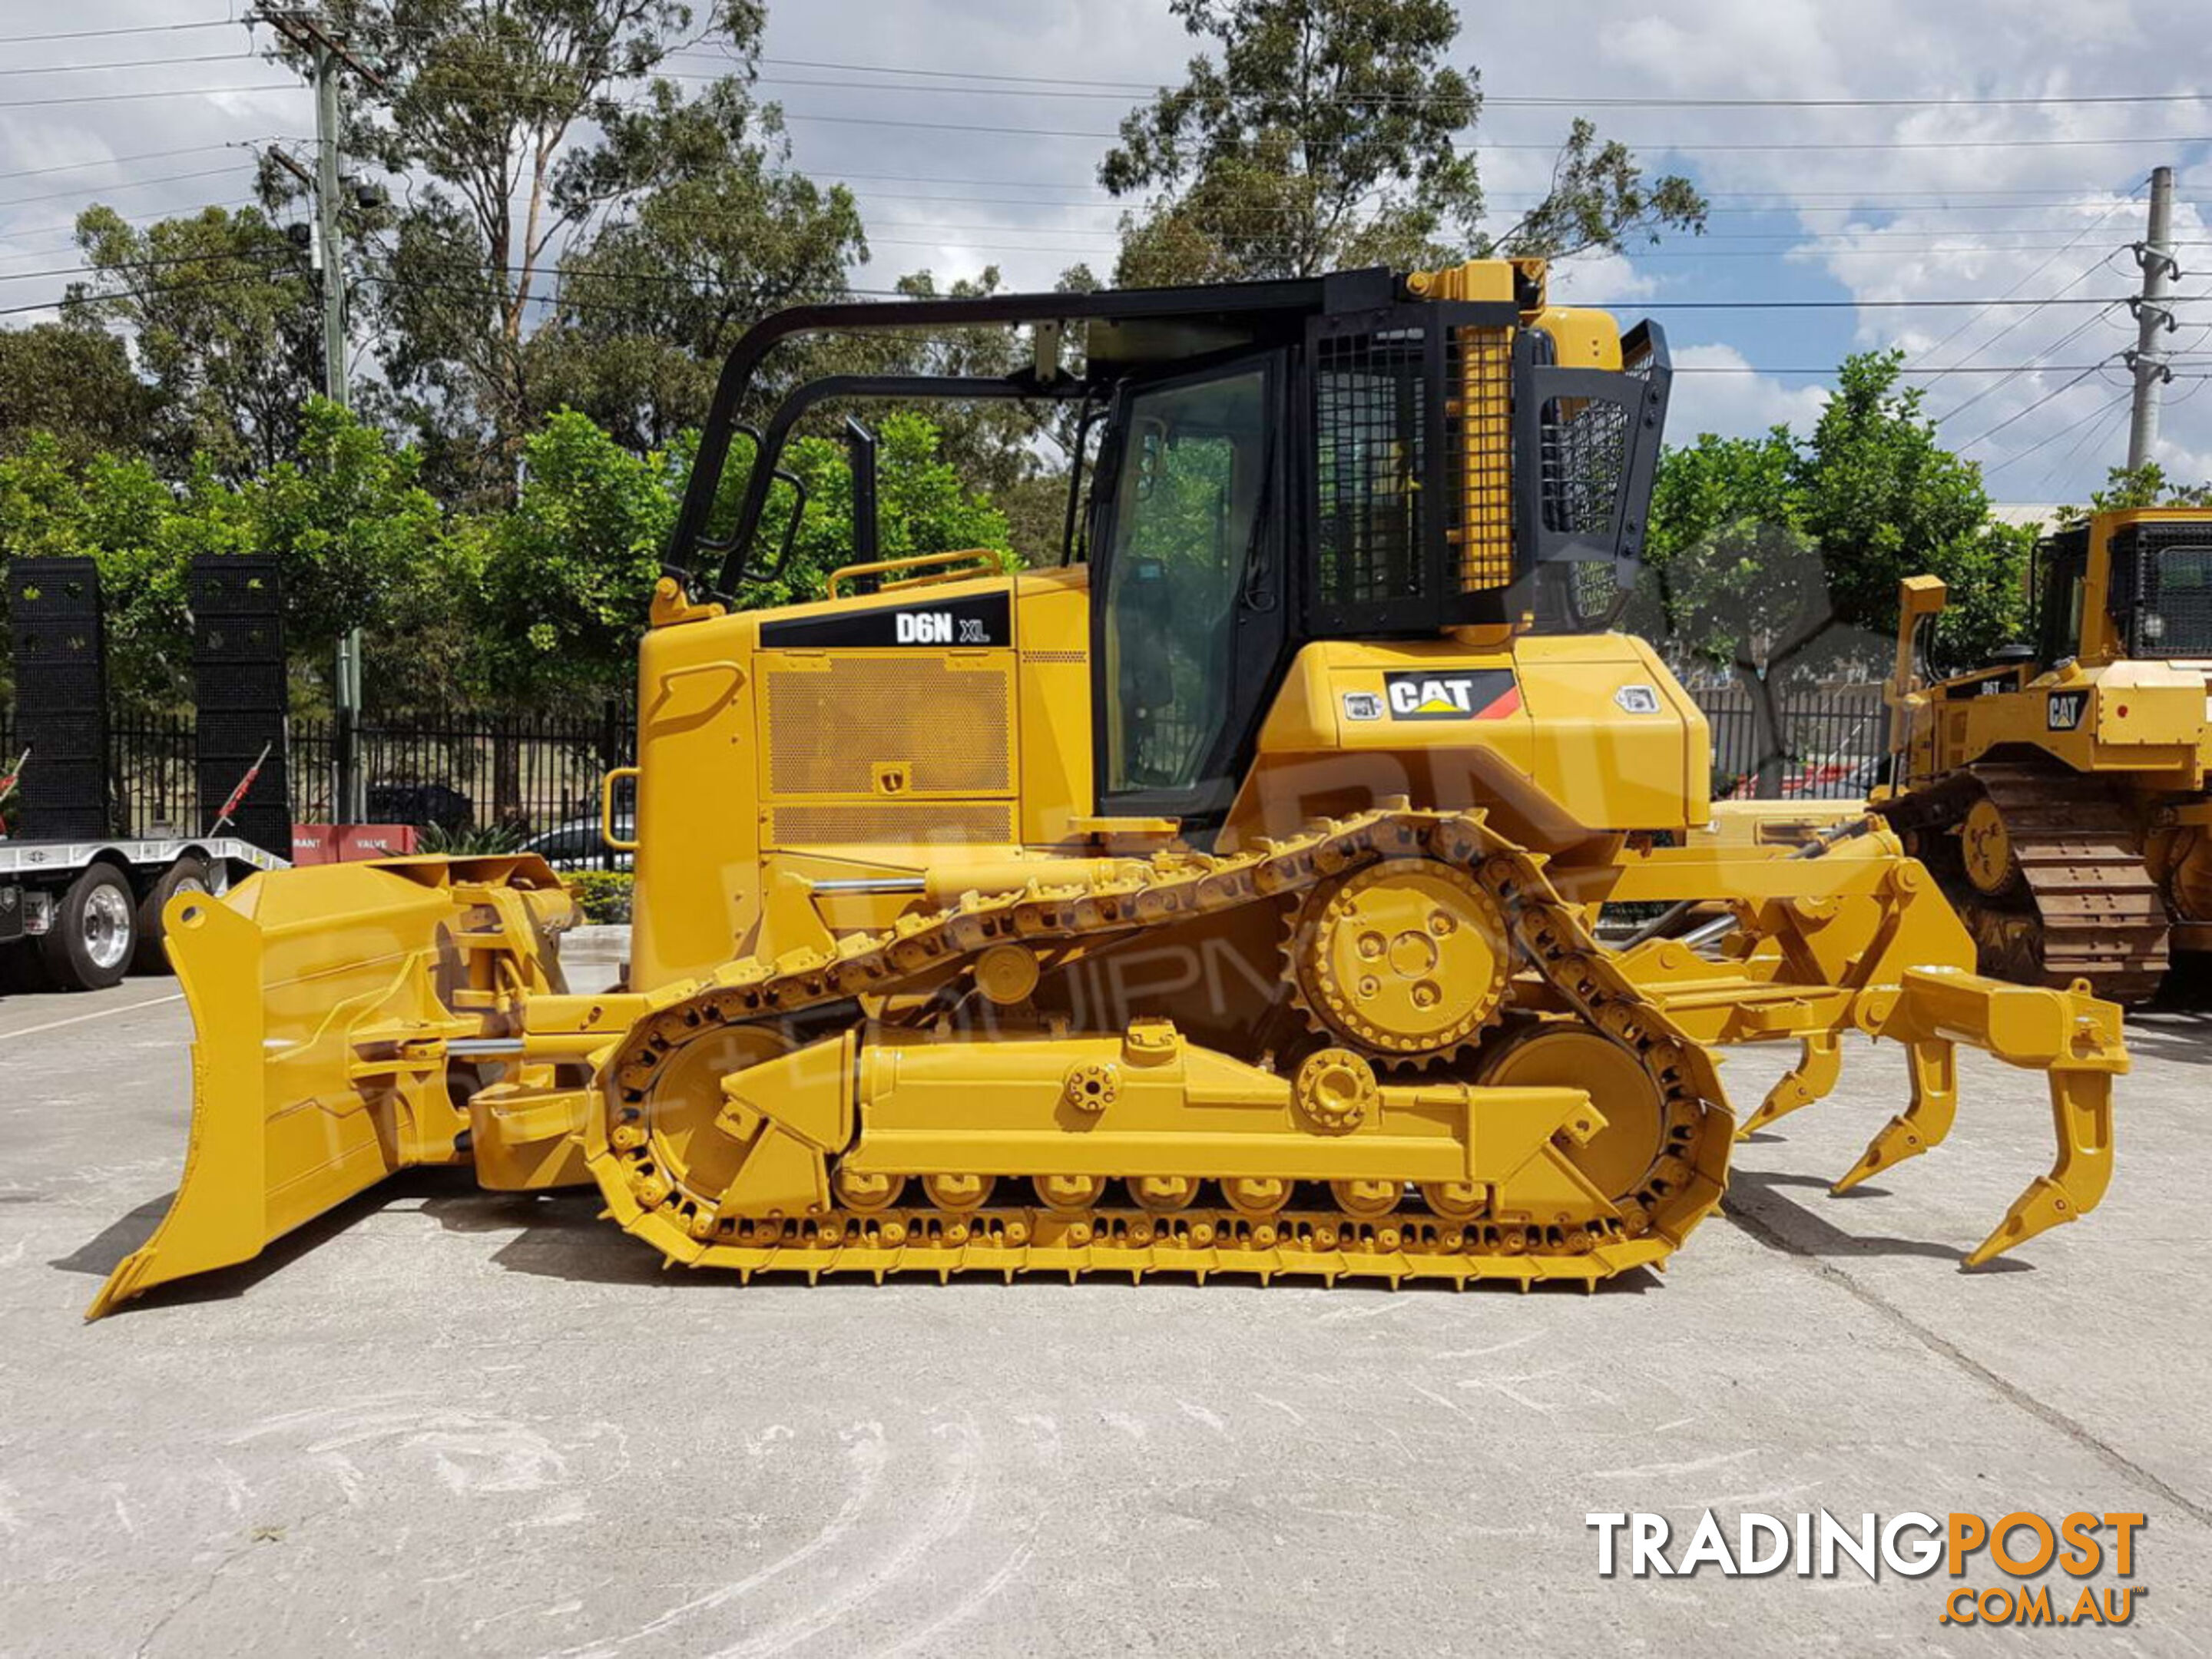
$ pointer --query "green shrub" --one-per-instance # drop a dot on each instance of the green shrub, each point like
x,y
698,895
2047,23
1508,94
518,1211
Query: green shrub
x,y
602,895
467,841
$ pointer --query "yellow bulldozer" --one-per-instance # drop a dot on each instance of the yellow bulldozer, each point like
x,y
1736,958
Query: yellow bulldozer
x,y
2058,792
1229,898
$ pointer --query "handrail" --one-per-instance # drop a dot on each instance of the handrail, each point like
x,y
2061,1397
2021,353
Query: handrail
x,y
911,561
607,782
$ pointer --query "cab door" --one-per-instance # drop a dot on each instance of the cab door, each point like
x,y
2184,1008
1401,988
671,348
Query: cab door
x,y
1189,614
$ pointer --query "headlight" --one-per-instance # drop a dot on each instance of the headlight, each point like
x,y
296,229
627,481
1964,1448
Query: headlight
x,y
2154,626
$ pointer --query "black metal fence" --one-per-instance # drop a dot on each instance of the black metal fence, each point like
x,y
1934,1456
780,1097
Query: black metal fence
x,y
528,774
1818,743
531,773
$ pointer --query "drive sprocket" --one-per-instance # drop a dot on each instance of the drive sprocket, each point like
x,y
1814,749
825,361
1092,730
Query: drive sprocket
x,y
1406,960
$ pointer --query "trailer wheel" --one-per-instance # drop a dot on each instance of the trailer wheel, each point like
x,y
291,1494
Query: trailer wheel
x,y
188,874
94,933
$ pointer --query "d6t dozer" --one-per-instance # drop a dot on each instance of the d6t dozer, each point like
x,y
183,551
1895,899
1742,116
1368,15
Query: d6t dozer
x,y
2058,793
1224,900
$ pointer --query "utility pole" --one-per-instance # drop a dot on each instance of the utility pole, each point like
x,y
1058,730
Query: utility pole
x,y
2153,315
302,30
351,793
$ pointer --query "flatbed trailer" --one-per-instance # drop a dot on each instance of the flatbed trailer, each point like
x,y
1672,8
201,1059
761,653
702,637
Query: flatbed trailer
x,y
77,916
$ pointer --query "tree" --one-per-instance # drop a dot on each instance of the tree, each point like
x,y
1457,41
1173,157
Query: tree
x,y
2144,486
569,572
1733,581
1778,557
220,312
1883,499
116,511
73,380
355,535
923,505
362,543
1874,494
516,126
653,301
1327,136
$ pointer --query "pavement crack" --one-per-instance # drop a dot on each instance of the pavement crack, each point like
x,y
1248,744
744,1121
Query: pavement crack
x,y
1767,1233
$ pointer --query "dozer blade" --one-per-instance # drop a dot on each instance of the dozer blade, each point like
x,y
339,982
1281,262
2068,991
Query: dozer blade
x,y
2070,1036
323,1000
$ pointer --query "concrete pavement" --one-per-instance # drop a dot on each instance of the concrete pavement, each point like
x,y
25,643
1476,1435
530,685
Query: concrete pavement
x,y
444,1418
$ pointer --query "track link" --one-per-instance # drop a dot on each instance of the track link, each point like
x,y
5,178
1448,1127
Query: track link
x,y
2089,908
1682,1185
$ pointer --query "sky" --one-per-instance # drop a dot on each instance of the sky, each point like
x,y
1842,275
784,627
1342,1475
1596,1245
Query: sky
x,y
1854,205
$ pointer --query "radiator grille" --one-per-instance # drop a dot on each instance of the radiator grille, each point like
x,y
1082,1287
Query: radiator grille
x,y
917,822
829,726
1481,427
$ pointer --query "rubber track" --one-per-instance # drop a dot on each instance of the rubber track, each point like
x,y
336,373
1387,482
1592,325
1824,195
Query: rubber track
x,y
1682,1185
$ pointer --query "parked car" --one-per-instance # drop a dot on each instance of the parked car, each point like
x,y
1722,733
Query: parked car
x,y
391,802
576,845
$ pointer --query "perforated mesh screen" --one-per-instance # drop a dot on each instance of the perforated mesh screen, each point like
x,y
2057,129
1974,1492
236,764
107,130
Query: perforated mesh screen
x,y
1481,365
831,726
1367,392
916,822
1585,458
2174,619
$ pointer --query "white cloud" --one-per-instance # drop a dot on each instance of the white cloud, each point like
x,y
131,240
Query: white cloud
x,y
1720,394
1601,276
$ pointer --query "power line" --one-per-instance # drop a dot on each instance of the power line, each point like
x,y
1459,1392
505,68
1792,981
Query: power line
x,y
1509,199
2086,232
574,302
68,227
1835,305
2100,432
2167,139
1540,100
139,264
1062,132
135,28
1854,200
2096,411
2021,414
1759,368
2071,335
128,184
114,160
129,293
245,56
171,92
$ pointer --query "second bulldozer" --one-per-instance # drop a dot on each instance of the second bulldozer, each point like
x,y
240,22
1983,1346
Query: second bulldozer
x,y
1225,899
2058,792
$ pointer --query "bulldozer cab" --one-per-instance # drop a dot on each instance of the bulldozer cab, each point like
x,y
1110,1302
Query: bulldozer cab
x,y
2129,585
1358,457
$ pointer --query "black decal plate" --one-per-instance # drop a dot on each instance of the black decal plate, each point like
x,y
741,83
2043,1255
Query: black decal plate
x,y
1451,694
2065,710
974,620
